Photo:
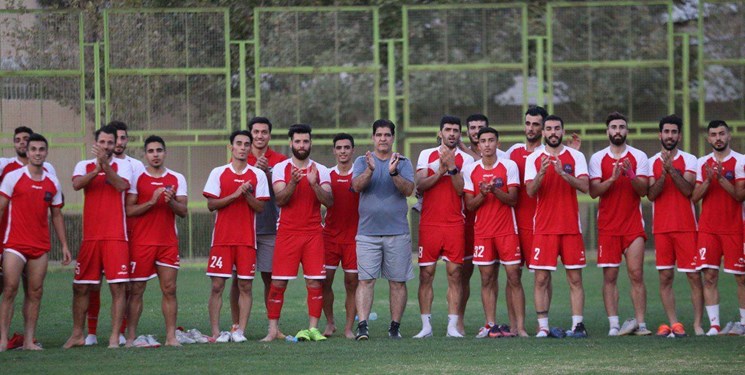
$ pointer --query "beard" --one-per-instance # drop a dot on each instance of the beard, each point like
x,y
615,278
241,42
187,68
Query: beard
x,y
720,149
548,141
300,154
617,140
669,147
21,154
533,139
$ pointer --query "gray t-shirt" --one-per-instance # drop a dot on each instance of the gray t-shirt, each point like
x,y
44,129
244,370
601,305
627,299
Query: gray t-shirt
x,y
382,207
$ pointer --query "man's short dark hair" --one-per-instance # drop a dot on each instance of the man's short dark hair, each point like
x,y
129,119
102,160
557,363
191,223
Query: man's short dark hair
x,y
554,118
615,116
487,129
717,123
299,129
259,120
23,129
155,138
449,120
537,111
342,136
240,132
107,129
672,119
119,125
383,123
36,137
477,117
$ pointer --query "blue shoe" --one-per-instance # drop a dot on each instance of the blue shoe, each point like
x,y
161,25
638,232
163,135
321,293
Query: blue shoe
x,y
580,332
557,333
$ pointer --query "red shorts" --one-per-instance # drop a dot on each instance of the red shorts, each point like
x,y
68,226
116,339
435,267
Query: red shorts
x,y
223,259
346,253
292,249
441,242
612,248
102,256
503,249
548,247
26,254
468,249
676,248
143,260
711,248
526,244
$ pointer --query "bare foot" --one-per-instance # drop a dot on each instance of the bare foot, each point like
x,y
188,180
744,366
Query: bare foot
x,y
349,335
129,343
272,336
699,331
330,329
523,333
114,342
74,341
173,342
3,347
32,346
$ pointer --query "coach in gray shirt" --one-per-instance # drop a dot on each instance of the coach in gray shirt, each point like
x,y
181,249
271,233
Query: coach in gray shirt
x,y
384,179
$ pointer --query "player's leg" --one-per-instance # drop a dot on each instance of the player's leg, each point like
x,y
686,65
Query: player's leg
x,y
314,296
245,302
167,275
697,300
711,298
79,310
215,304
235,309
576,294
118,304
609,259
36,271
134,309
516,298
274,308
454,276
635,267
425,296
397,268
541,286
350,285
667,296
465,293
489,276
88,269
328,301
13,266
94,309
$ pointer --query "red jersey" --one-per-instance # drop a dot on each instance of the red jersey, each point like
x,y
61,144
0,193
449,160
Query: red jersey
x,y
157,226
672,211
525,208
266,221
343,216
104,217
620,207
441,205
272,157
557,210
28,210
720,213
235,223
493,218
302,213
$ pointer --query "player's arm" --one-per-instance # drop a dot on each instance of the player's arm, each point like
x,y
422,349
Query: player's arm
x,y
323,194
655,186
425,182
463,147
532,187
684,183
598,186
254,203
509,197
80,182
740,190
4,201
180,205
58,222
581,183
113,178
701,189
474,201
134,209
727,186
283,190
214,204
640,185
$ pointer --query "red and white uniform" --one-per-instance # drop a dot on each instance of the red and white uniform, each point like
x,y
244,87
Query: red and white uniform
x,y
674,217
525,208
441,227
620,219
720,224
137,168
299,229
495,227
104,247
557,228
154,237
233,236
341,223
27,233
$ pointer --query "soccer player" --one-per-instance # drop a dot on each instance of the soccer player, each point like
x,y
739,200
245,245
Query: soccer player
x,y
490,187
338,235
671,180
441,228
300,185
618,175
94,304
720,224
235,192
104,181
157,195
554,175
384,179
262,157
28,195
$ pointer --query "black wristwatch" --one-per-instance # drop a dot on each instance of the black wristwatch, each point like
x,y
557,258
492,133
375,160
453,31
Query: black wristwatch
x,y
394,173
453,171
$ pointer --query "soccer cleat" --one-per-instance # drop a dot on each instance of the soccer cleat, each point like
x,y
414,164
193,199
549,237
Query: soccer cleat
x,y
91,340
506,331
737,330
141,342
184,338
15,342
580,331
613,331
557,333
394,331
542,333
223,337
495,332
714,330
628,327
316,335
237,336
642,332
197,336
664,330
152,341
303,335
727,328
678,330
362,332
122,339
483,332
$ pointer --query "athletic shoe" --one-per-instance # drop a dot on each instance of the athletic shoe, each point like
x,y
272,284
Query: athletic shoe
x,y
152,341
483,332
16,341
506,331
664,330
141,342
91,340
237,336
613,331
423,334
223,337
727,328
454,333
628,327
316,335
557,333
122,339
737,330
678,330
495,332
642,331
362,333
714,330
197,336
580,331
303,335
183,337
394,331
542,333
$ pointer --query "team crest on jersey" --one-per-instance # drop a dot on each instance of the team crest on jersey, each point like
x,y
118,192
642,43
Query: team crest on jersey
x,y
729,175
568,168
47,196
499,182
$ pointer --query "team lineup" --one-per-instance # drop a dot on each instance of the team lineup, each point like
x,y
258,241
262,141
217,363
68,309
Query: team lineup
x,y
479,207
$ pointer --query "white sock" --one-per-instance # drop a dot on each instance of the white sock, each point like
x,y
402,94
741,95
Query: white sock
x,y
642,326
426,322
490,324
452,321
543,323
713,312
576,319
613,321
742,316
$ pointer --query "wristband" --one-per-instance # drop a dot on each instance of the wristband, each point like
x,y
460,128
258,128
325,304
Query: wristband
x,y
453,171
630,174
394,173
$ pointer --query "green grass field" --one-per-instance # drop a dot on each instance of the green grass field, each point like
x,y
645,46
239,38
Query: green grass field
x,y
597,354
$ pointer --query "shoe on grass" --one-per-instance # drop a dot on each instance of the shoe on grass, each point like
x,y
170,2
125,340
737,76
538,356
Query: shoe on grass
x,y
678,330
628,327
394,330
580,331
315,335
362,332
663,330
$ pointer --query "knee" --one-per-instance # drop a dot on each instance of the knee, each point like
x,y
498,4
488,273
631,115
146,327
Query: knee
x,y
79,289
426,275
217,287
740,280
609,278
351,285
666,279
10,291
711,279
168,289
455,273
637,277
513,280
